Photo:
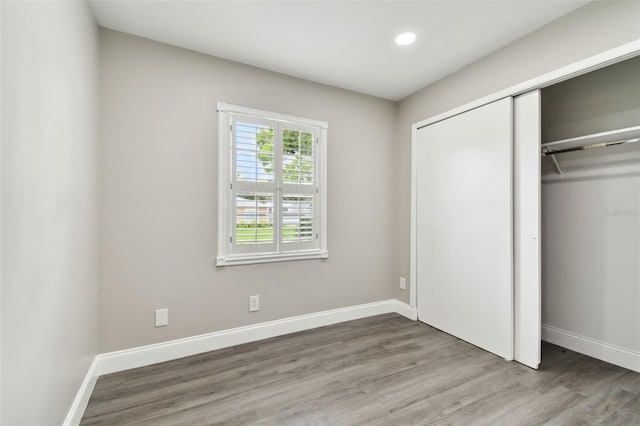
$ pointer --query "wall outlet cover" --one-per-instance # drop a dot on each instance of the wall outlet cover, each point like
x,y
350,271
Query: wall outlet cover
x,y
254,303
162,317
403,283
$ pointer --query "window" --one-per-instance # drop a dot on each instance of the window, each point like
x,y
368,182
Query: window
x,y
272,192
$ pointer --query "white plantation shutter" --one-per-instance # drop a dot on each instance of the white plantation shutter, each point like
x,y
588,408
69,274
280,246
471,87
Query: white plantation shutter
x,y
254,185
298,188
251,163
272,204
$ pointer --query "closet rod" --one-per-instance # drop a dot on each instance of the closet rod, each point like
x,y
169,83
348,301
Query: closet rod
x,y
550,151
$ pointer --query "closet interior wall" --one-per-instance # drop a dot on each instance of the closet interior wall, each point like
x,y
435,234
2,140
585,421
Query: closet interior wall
x,y
590,214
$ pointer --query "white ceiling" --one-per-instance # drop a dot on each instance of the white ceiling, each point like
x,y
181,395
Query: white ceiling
x,y
348,44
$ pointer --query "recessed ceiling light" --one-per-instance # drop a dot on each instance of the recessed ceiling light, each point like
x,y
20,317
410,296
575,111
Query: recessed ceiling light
x,y
405,38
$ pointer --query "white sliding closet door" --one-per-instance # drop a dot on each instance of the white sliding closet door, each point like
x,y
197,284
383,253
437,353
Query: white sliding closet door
x,y
526,214
464,226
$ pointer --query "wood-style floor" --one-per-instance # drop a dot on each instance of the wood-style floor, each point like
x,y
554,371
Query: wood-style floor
x,y
383,370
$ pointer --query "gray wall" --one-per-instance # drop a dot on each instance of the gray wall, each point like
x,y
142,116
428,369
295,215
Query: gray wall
x,y
158,196
49,207
592,29
591,224
602,100
591,258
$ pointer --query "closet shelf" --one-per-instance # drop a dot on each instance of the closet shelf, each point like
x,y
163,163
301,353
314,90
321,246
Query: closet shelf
x,y
619,135
596,140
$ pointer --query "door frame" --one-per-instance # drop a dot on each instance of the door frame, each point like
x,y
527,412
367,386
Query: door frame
x,y
601,60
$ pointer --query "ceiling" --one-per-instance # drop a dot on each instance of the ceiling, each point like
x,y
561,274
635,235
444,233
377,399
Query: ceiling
x,y
347,44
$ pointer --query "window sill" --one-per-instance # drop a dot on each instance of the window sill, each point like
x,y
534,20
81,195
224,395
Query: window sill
x,y
268,258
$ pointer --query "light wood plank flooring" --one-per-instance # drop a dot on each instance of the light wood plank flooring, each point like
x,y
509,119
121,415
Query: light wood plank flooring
x,y
383,370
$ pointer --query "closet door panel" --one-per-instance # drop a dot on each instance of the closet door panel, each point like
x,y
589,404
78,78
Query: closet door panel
x,y
526,174
464,226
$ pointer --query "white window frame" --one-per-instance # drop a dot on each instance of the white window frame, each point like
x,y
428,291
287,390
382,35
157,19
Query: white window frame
x,y
226,255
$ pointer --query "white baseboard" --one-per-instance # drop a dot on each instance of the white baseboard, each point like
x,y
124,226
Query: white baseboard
x,y
405,310
82,397
166,351
127,359
594,348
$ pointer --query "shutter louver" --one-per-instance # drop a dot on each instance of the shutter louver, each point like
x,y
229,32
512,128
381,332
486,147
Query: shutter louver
x,y
254,218
297,157
297,218
254,152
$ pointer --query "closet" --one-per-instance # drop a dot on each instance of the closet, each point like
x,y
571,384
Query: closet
x,y
526,219
591,213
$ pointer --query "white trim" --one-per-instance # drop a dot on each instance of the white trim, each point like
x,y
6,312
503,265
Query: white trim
x,y
323,186
1,372
82,397
600,60
589,64
166,351
224,121
608,352
268,258
405,310
413,264
512,314
225,107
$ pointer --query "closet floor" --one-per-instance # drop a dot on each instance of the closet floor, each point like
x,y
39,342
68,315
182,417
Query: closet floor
x,y
383,370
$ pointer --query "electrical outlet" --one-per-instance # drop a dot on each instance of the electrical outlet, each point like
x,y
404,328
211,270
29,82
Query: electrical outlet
x,y
254,303
403,284
162,317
